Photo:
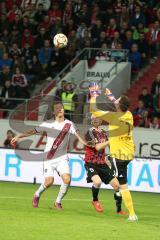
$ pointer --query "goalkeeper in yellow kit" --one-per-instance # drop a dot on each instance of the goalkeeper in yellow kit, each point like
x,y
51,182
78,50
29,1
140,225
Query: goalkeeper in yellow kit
x,y
121,140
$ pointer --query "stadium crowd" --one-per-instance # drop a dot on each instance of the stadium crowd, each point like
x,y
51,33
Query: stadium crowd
x,y
27,27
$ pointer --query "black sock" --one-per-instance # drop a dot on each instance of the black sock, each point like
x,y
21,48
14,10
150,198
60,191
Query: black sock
x,y
95,192
118,200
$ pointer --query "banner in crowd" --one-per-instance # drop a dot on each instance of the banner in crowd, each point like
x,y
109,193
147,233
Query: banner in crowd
x,y
143,174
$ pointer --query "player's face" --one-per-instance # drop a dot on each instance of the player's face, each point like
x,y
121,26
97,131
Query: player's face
x,y
58,110
96,122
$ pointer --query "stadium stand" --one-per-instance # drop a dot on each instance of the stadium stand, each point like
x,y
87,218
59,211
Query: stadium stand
x,y
26,33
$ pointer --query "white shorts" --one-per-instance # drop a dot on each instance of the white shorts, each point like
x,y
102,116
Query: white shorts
x,y
60,166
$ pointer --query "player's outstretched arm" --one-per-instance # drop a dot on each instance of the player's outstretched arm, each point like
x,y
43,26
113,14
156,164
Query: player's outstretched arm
x,y
83,141
23,135
110,95
100,146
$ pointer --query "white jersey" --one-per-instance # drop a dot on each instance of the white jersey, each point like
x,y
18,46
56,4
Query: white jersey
x,y
58,134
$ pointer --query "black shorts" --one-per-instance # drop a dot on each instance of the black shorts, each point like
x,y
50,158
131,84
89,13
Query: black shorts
x,y
102,170
119,168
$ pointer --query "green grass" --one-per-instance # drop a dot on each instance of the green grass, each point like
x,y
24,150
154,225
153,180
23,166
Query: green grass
x,y
78,221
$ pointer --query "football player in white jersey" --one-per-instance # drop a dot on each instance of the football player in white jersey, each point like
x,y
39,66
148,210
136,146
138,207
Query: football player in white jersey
x,y
58,132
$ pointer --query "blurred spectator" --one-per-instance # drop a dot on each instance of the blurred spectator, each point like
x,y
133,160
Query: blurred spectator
x,y
96,30
5,75
42,36
84,15
155,89
138,17
45,23
25,24
60,90
15,36
69,99
115,40
5,38
8,91
102,39
146,97
155,123
54,13
34,70
154,39
2,49
7,142
27,38
156,105
26,4
5,61
143,47
39,14
128,41
45,56
67,14
14,51
135,58
20,82
140,115
27,52
18,62
11,15
46,4
111,29
103,54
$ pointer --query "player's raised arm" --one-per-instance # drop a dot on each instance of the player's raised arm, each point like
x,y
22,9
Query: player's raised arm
x,y
94,93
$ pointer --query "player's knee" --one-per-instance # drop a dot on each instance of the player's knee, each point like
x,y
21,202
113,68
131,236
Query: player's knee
x,y
49,182
67,179
116,186
97,183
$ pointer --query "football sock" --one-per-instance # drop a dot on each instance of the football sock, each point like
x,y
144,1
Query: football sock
x,y
127,198
62,192
118,199
40,190
95,191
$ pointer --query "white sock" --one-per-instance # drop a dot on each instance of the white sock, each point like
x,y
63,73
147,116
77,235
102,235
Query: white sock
x,y
40,190
62,192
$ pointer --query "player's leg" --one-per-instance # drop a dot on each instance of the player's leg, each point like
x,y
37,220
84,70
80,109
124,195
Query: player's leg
x,y
95,191
49,179
126,195
64,172
117,196
127,198
93,176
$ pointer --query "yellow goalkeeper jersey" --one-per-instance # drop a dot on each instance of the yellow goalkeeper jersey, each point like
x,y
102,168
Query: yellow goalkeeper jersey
x,y
120,131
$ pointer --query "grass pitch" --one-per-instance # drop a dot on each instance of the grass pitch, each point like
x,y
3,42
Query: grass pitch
x,y
78,221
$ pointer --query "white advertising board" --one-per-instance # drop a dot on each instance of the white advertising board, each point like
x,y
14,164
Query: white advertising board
x,y
147,141
143,174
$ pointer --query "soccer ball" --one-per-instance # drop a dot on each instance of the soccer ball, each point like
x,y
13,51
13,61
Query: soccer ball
x,y
60,40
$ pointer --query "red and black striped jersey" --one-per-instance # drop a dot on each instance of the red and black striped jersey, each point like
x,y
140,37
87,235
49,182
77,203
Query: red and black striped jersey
x,y
92,155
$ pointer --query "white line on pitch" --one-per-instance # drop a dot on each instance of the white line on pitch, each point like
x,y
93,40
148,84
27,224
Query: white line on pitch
x,y
74,199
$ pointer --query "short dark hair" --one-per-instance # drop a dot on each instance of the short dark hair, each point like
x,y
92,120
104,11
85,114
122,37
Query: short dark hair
x,y
124,103
57,101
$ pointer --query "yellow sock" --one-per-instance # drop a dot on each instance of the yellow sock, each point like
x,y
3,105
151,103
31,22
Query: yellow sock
x,y
127,198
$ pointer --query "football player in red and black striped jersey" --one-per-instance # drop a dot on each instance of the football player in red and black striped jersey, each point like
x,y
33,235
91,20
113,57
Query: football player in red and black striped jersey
x,y
96,162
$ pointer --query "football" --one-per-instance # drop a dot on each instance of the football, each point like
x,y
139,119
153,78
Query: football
x,y
60,40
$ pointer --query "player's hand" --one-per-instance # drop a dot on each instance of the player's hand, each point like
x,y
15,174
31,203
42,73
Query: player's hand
x,y
14,141
94,90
